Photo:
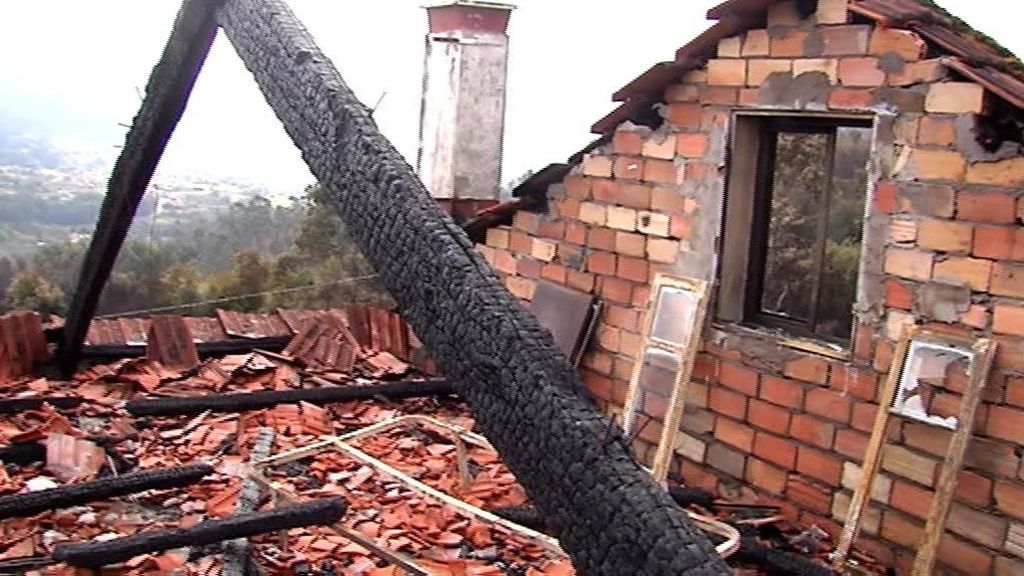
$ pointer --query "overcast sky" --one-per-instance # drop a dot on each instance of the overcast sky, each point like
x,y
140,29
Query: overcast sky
x,y
71,69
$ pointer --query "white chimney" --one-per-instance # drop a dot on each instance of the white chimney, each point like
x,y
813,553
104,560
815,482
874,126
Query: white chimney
x,y
462,119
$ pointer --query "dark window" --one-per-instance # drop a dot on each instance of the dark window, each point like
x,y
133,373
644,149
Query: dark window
x,y
808,217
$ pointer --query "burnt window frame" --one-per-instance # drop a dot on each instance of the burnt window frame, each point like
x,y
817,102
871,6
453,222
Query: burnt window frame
x,y
761,215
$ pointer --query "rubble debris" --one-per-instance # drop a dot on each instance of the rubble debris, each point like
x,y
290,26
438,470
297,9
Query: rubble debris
x,y
777,562
170,342
268,399
70,458
22,344
31,503
96,554
236,552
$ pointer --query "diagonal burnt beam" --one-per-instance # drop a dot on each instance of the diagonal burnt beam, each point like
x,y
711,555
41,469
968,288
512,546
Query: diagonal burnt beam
x,y
167,92
610,515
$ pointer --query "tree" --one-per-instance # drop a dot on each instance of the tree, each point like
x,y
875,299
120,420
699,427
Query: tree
x,y
30,291
7,273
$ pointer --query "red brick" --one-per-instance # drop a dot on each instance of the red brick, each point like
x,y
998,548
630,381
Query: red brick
x,y
719,95
912,264
691,145
598,385
1008,280
599,362
906,43
885,197
1010,498
768,416
921,72
765,476
727,72
633,195
901,529
936,131
945,235
973,272
992,207
860,72
528,222
851,443
792,43
622,317
734,434
520,242
809,495
662,250
808,369
849,99
601,238
553,229
955,98
1006,423
580,280
663,171
627,142
601,262
973,488
844,40
1007,319
529,267
685,115
615,289
575,232
999,243
680,226
577,187
818,464
938,165
1007,173
857,382
632,269
782,391
554,272
628,167
567,208
967,558
776,450
739,378
729,403
812,430
828,404
910,498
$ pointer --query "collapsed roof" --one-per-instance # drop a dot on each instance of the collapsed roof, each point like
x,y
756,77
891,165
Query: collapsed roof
x,y
526,398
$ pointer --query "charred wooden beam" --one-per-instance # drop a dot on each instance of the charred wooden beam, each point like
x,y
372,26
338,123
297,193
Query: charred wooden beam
x,y
95,554
205,349
242,402
16,405
612,518
32,503
167,92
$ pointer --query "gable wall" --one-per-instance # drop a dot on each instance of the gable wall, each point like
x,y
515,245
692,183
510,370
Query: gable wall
x,y
944,247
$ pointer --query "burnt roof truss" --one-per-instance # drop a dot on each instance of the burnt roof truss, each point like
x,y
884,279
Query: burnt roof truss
x,y
611,517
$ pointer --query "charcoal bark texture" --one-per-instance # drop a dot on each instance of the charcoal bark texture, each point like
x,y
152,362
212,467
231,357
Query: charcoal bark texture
x,y
611,517
16,405
524,515
23,453
31,503
267,399
774,562
95,554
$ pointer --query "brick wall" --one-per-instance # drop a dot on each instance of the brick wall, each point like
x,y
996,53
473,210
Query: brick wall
x,y
945,249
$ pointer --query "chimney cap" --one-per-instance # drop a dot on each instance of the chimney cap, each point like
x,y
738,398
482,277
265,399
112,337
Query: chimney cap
x,y
472,4
468,16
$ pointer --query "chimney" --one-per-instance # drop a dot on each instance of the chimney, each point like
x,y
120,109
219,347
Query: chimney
x,y
462,117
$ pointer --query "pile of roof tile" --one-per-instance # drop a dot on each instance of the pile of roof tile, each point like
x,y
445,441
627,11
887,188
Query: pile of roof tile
x,y
99,438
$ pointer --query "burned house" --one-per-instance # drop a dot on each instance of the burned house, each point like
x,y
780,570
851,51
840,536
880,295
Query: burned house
x,y
834,171
802,234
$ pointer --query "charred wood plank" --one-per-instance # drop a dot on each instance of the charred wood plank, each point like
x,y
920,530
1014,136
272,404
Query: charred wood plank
x,y
167,92
236,552
16,405
95,554
242,402
611,516
205,349
31,503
